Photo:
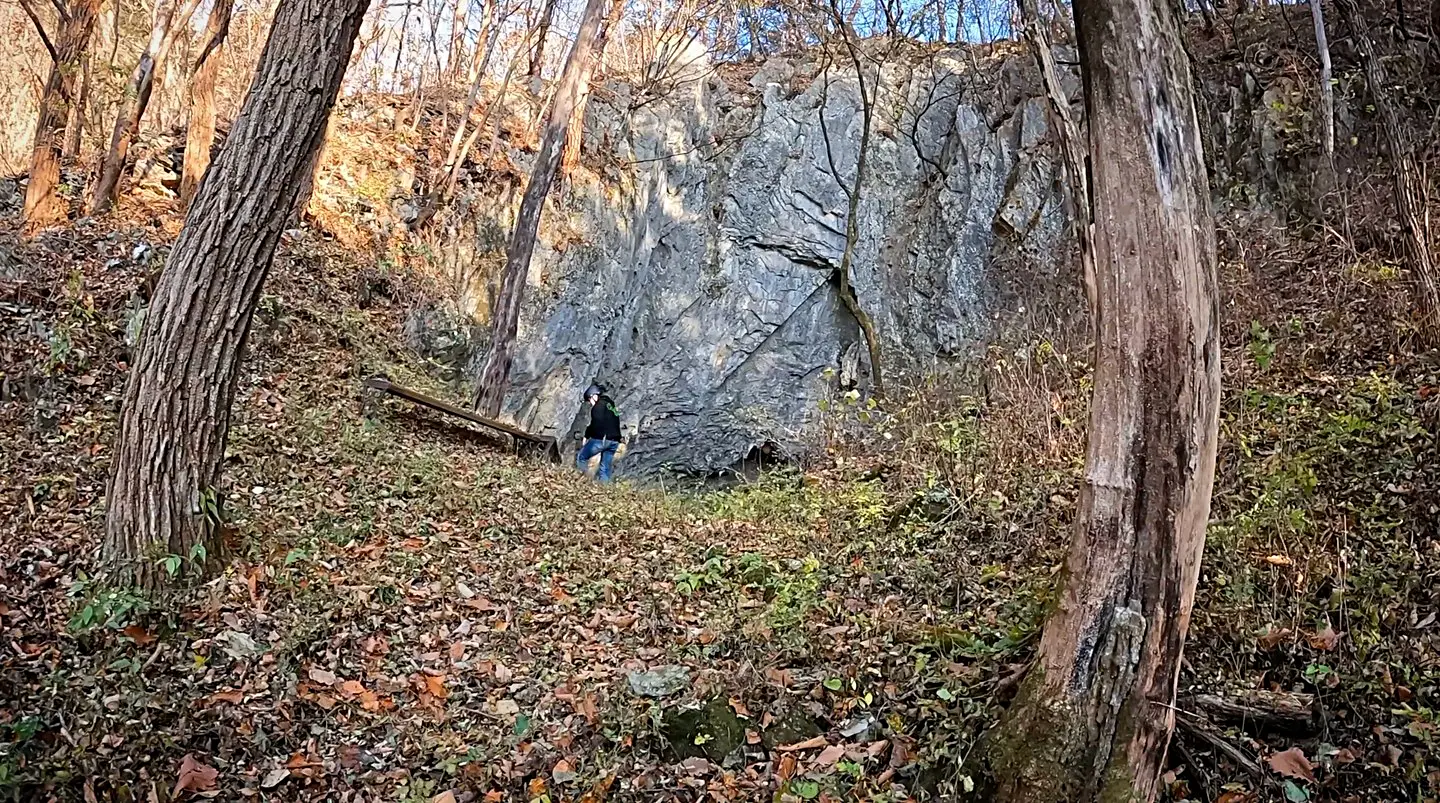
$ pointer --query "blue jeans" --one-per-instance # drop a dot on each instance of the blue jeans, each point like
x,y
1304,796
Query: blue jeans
x,y
606,450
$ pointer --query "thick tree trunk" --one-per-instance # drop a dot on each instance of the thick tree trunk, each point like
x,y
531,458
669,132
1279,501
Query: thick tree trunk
x,y
43,206
1067,135
505,319
75,125
1094,718
164,483
137,98
200,131
1409,184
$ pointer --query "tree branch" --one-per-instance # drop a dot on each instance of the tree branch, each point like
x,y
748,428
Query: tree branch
x,y
40,29
221,32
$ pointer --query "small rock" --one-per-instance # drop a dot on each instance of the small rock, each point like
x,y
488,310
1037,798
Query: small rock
x,y
662,681
859,726
239,645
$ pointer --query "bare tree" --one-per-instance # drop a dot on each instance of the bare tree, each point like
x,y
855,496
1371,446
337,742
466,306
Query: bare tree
x,y
136,99
200,132
841,25
1409,184
460,144
43,206
164,503
505,316
1094,717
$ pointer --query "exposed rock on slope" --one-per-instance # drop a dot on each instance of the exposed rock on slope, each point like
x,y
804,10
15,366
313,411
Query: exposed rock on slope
x,y
690,264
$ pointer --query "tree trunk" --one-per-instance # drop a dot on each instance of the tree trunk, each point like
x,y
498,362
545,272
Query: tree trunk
x,y
505,319
136,99
1327,91
43,206
75,126
164,495
1409,185
575,131
1067,135
537,59
1093,719
200,131
844,287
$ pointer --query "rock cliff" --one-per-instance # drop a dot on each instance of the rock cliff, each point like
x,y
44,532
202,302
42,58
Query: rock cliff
x,y
689,262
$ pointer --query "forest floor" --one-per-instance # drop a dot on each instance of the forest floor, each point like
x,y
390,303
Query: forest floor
x,y
407,613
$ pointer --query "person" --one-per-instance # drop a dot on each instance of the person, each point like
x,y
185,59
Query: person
x,y
602,436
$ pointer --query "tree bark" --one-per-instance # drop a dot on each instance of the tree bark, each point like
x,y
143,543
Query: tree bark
x,y
43,206
1094,716
75,125
164,494
136,99
505,319
1067,135
200,131
1409,185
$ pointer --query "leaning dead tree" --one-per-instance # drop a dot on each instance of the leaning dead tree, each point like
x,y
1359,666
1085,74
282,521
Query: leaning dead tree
x,y
505,317
1411,196
43,205
164,499
1095,714
163,31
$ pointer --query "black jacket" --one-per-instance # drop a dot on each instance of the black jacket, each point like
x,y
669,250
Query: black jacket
x,y
604,421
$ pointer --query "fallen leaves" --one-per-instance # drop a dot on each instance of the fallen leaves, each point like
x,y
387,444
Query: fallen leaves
x,y
1272,638
830,755
139,635
808,744
1292,763
194,776
1325,638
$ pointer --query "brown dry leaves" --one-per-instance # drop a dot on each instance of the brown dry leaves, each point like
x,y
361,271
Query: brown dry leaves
x,y
194,776
1292,763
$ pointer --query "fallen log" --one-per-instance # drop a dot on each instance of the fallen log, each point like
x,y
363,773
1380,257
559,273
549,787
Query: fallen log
x,y
524,441
1257,709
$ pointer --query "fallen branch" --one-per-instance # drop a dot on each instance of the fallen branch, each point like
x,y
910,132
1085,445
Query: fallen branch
x,y
1201,729
543,443
1260,709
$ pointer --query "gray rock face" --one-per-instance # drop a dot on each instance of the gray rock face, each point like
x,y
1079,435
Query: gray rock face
x,y
690,265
